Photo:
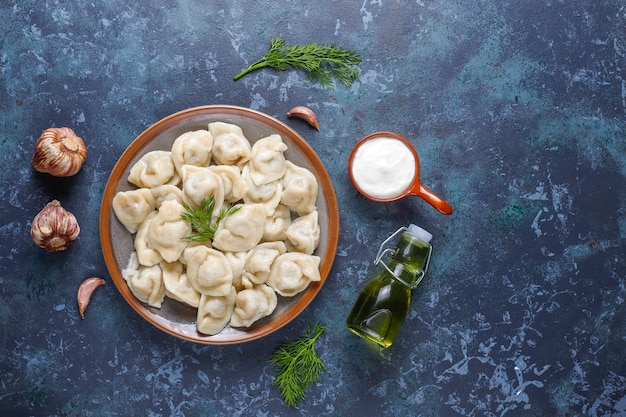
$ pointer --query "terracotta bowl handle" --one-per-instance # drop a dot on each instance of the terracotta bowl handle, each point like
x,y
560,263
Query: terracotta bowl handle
x,y
431,198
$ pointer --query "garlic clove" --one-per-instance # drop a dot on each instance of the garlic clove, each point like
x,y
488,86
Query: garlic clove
x,y
86,288
59,152
306,114
54,228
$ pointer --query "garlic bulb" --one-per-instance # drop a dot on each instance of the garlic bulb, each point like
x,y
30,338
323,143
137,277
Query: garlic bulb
x,y
54,228
59,152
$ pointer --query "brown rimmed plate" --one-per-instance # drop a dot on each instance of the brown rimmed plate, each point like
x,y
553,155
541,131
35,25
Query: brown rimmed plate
x,y
174,317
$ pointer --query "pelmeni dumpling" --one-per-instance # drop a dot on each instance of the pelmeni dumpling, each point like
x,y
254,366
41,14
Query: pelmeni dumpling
x,y
230,146
267,160
132,207
166,192
153,169
260,258
146,254
237,261
234,185
214,313
253,304
242,230
267,194
167,231
304,233
276,224
192,148
299,189
208,271
247,281
292,272
200,183
177,285
146,283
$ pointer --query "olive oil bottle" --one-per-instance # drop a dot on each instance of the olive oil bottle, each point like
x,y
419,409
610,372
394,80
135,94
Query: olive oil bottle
x,y
382,305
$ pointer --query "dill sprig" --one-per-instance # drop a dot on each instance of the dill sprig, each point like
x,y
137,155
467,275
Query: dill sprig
x,y
297,365
320,62
203,225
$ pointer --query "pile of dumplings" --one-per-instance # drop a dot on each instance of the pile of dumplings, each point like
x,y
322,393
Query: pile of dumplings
x,y
262,251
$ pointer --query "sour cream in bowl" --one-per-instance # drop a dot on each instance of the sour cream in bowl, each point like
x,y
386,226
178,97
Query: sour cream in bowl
x,y
384,166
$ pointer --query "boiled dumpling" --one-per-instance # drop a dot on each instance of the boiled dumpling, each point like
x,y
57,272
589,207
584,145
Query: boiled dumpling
x,y
299,189
234,185
253,304
237,261
200,183
214,313
259,193
267,194
167,231
247,281
292,272
166,192
304,233
146,283
208,270
192,148
242,230
177,285
153,169
267,160
230,146
146,254
133,207
276,224
259,260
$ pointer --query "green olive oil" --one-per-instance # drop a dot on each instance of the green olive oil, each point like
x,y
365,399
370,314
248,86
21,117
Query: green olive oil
x,y
382,305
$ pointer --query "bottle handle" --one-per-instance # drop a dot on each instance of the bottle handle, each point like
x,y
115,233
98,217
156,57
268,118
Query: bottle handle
x,y
382,251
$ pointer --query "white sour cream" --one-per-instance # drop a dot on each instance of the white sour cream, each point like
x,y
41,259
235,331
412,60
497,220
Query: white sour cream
x,y
383,167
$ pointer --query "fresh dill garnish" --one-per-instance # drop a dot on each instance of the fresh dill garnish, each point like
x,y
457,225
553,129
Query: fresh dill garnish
x,y
297,365
203,225
320,62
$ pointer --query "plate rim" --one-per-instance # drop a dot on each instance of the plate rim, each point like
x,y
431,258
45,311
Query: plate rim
x,y
144,139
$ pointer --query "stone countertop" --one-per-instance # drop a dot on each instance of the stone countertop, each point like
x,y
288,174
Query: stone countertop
x,y
517,110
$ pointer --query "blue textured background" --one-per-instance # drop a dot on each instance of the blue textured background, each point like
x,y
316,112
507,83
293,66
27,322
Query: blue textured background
x,y
517,110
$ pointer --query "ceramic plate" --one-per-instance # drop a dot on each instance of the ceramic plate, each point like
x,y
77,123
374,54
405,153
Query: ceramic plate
x,y
174,317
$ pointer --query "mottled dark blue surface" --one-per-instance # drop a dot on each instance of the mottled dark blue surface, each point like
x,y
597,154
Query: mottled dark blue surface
x,y
517,110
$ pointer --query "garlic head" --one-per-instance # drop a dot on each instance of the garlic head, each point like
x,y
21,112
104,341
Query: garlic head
x,y
59,152
54,228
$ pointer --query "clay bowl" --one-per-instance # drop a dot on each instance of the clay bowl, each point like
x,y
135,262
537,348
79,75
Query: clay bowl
x,y
174,317
414,186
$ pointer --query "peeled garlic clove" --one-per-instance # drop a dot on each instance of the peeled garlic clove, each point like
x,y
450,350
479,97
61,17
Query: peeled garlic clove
x,y
54,228
59,152
86,288
306,114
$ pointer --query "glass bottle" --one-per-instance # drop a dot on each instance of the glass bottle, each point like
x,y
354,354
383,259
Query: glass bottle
x,y
382,305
